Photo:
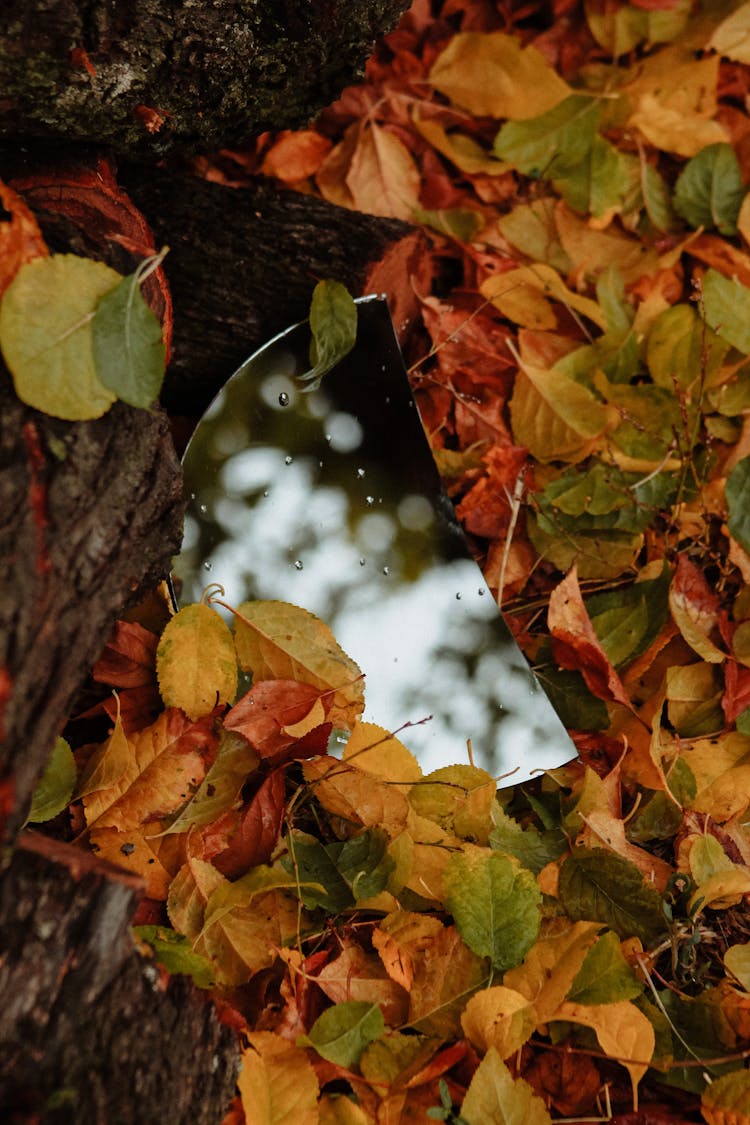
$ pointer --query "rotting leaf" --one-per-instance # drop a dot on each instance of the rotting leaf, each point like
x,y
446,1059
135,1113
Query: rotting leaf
x,y
333,323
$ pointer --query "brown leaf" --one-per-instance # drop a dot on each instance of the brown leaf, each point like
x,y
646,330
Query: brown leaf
x,y
295,156
576,645
256,830
358,975
129,657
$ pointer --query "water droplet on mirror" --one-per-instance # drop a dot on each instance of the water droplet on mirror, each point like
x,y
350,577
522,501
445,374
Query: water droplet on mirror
x,y
298,564
208,566
288,460
265,492
386,570
283,399
202,508
369,500
481,593
362,562
458,596
360,473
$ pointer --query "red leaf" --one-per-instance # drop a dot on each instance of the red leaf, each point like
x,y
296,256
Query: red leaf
x,y
20,238
129,657
576,646
270,706
257,830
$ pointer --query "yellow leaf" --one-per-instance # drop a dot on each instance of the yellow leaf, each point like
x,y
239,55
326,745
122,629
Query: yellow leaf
x,y
277,1082
459,799
491,75
671,129
623,1032
166,763
279,641
382,177
108,764
603,827
134,852
374,750
246,939
189,893
732,37
357,796
494,1097
195,661
501,1018
551,965
461,150
538,284
337,1109
720,891
314,717
555,417
593,251
737,961
721,767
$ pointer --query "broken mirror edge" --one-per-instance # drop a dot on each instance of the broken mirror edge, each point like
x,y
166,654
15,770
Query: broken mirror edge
x,y
558,748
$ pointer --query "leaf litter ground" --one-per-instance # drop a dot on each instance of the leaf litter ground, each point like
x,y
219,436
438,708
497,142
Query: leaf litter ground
x,y
404,948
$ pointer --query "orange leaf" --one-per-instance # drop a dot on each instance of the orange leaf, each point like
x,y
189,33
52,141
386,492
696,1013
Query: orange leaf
x,y
382,177
576,645
129,657
358,975
295,156
256,832
20,238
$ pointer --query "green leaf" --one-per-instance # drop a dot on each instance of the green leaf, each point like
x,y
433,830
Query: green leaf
x,y
657,818
552,145
364,862
221,786
626,621
127,342
46,337
495,903
533,849
566,690
196,662
605,976
599,886
531,228
174,951
342,1032
320,882
650,417
605,184
728,1096
55,787
333,322
737,492
681,349
461,223
656,198
709,190
726,306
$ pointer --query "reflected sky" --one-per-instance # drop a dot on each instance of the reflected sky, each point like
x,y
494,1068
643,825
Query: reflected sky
x,y
331,500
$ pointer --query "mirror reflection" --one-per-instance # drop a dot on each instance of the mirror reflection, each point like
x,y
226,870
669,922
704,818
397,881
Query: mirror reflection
x,y
331,500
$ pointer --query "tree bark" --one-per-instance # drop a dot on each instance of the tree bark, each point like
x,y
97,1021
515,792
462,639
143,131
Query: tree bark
x,y
87,1025
243,262
90,514
155,76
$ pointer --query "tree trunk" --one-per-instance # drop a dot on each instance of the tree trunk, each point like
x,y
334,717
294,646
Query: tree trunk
x,y
91,1033
155,76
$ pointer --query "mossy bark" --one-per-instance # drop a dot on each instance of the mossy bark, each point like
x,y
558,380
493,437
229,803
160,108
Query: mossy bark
x,y
156,76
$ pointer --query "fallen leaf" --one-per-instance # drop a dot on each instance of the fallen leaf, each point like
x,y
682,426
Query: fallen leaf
x,y
20,238
494,1097
277,1082
276,640
195,661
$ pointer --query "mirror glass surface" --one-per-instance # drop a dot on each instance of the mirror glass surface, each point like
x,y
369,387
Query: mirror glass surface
x,y
331,500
